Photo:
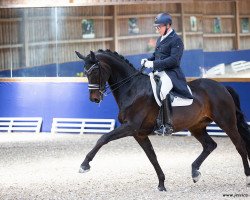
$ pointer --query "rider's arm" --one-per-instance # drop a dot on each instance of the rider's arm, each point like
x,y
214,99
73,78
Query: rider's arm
x,y
152,58
173,60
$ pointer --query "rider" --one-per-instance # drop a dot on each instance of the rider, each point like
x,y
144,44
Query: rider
x,y
165,63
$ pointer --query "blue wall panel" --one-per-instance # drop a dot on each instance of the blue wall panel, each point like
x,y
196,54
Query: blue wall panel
x,y
191,62
68,69
70,100
49,100
214,58
243,89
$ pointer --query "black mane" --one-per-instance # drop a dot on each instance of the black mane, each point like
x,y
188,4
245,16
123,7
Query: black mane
x,y
117,55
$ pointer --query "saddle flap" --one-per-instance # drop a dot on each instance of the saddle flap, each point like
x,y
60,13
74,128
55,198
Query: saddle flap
x,y
158,83
175,100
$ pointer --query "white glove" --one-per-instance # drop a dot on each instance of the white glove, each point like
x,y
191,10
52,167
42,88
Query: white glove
x,y
149,64
143,61
156,73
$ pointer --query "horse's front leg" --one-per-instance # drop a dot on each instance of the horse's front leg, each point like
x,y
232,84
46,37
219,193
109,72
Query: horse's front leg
x,y
148,149
122,131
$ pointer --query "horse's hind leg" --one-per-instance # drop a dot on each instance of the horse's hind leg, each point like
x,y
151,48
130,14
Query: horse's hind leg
x,y
240,145
208,145
148,149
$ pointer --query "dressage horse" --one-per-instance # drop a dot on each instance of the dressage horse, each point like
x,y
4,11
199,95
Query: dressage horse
x,y
138,110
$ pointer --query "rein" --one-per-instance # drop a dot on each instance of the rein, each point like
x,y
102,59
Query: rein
x,y
121,82
118,84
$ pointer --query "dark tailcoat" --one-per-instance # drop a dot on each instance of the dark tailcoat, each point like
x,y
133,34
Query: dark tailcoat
x,y
167,57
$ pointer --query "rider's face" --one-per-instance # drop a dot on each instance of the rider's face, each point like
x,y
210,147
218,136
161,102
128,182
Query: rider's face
x,y
161,29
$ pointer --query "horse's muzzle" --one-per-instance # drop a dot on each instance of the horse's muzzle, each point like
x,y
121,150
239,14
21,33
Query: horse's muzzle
x,y
95,100
95,96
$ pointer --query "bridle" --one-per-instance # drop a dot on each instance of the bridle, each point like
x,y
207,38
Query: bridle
x,y
88,72
115,86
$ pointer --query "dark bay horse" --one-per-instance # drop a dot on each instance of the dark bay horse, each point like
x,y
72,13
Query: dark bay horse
x,y
138,111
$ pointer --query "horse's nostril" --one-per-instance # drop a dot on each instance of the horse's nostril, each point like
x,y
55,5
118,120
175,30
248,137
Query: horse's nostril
x,y
96,100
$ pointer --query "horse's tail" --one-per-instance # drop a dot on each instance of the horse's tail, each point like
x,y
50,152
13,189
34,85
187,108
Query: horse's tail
x,y
243,127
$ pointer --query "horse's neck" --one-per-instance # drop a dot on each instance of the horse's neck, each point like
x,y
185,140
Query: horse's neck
x,y
119,69
122,81
120,72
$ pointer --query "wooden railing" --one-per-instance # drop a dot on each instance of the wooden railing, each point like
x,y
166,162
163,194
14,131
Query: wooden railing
x,y
49,3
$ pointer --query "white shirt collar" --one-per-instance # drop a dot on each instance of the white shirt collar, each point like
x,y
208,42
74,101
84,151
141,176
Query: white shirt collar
x,y
164,36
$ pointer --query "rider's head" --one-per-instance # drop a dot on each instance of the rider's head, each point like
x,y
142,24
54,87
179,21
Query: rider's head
x,y
162,23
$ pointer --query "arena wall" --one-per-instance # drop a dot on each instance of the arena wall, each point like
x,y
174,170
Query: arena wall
x,y
69,97
70,100
38,41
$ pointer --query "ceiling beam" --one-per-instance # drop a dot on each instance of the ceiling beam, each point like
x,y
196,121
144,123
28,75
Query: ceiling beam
x,y
61,3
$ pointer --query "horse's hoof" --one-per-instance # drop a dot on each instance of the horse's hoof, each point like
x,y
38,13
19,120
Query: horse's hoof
x,y
196,176
162,188
84,169
248,181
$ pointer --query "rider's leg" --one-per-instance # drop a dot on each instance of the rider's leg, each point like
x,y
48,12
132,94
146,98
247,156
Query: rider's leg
x,y
166,108
166,128
166,85
168,113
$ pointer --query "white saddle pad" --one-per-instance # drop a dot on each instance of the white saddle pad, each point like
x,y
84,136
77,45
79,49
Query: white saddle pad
x,y
178,101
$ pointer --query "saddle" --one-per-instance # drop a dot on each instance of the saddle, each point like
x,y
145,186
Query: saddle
x,y
175,100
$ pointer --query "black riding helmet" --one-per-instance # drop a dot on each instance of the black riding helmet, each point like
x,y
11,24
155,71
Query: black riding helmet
x,y
163,19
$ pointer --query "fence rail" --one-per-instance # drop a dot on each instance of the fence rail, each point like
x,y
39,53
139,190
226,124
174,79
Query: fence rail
x,y
212,129
77,125
20,124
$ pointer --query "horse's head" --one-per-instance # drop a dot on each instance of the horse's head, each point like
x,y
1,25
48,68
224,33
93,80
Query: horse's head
x,y
97,76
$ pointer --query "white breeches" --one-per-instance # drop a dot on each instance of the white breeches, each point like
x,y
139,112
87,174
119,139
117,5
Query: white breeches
x,y
166,85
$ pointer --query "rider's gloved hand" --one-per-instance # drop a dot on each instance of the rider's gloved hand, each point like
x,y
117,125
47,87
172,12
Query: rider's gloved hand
x,y
156,73
143,61
149,64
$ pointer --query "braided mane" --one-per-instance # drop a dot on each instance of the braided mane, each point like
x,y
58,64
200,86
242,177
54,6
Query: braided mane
x,y
117,55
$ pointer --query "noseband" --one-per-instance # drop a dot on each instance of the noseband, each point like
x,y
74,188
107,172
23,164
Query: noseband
x,y
87,72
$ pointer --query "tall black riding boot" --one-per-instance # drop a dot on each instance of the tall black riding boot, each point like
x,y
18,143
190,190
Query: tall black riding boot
x,y
166,127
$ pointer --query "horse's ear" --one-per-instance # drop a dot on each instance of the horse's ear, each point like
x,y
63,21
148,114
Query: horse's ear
x,y
92,56
80,55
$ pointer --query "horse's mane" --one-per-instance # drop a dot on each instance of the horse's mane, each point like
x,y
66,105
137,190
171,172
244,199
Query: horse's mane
x,y
117,55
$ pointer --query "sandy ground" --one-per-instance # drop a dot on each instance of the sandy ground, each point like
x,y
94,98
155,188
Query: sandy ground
x,y
45,166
